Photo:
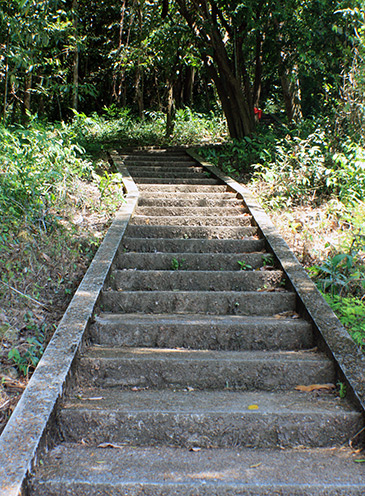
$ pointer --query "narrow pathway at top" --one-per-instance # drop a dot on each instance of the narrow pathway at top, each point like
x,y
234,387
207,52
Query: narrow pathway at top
x,y
188,385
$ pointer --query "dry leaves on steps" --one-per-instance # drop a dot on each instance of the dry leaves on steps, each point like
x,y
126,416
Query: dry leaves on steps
x,y
315,387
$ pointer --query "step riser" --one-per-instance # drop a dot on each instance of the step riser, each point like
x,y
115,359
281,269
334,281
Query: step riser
x,y
185,202
178,162
245,375
197,281
189,261
192,245
200,189
177,181
166,174
279,335
189,211
186,232
210,303
207,430
182,196
164,168
223,220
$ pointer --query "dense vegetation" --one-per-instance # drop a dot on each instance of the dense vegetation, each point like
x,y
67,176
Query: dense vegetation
x,y
77,78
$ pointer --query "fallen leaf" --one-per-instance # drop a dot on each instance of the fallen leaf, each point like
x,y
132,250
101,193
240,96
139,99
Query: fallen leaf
x,y
110,445
46,258
315,387
256,465
96,398
253,407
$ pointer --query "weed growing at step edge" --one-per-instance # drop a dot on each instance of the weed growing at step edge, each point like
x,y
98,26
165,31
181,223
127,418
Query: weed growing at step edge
x,y
243,265
176,264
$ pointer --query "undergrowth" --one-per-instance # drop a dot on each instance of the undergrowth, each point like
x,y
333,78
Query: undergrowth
x,y
311,180
119,128
55,204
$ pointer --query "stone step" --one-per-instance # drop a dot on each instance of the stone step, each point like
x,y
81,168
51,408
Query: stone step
x,y
193,220
234,332
188,280
186,232
70,470
190,211
178,181
199,302
160,162
191,261
169,174
194,169
207,419
158,194
192,245
185,201
178,160
155,368
202,189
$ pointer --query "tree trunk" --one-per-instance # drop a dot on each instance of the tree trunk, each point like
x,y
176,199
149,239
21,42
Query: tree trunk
x,y
228,71
291,93
188,86
27,97
238,112
170,112
75,78
139,90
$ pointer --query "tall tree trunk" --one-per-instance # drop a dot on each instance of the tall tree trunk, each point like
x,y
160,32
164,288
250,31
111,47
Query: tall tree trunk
x,y
291,93
170,108
236,108
288,73
6,88
27,97
139,90
188,86
75,77
228,72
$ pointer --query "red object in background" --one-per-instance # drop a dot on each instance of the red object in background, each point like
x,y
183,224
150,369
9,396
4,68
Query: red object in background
x,y
258,112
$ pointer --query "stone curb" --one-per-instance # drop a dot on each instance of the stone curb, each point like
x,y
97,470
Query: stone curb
x,y
25,436
349,358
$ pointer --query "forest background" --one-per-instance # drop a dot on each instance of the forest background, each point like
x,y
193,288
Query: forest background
x,y
78,78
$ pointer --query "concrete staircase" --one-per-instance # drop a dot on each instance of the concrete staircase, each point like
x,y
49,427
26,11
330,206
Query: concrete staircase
x,y
188,385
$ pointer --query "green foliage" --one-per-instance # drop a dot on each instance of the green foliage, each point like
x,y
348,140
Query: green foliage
x,y
36,165
351,312
177,264
191,128
301,166
26,356
243,265
336,273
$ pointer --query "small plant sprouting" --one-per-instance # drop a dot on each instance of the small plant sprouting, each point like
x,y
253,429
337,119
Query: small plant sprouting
x,y
267,260
342,390
30,358
244,265
176,264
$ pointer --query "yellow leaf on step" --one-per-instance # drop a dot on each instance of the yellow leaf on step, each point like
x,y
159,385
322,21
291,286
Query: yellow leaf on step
x,y
314,387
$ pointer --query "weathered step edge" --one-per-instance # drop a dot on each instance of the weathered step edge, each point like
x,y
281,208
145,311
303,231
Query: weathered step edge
x,y
348,357
25,438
